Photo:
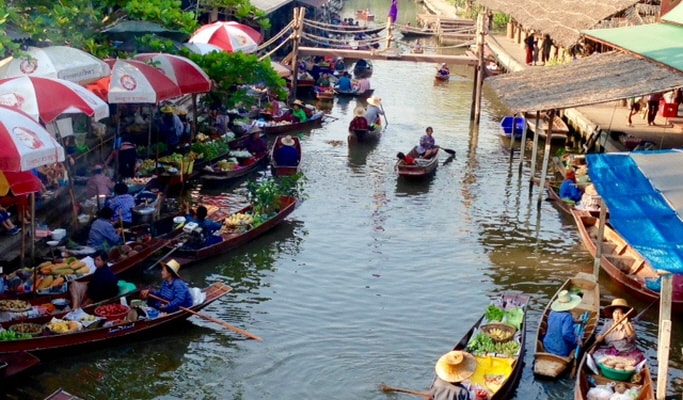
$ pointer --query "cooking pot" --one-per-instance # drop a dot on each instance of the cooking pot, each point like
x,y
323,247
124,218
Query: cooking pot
x,y
143,215
58,234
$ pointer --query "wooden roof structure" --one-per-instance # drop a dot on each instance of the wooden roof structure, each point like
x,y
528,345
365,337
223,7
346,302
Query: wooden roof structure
x,y
595,79
563,20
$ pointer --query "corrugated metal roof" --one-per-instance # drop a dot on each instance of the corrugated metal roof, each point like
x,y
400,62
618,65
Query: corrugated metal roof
x,y
269,6
312,3
675,16
595,79
662,43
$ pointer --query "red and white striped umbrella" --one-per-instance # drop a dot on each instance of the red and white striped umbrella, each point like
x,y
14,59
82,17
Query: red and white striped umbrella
x,y
189,76
134,81
48,98
230,36
25,143
61,62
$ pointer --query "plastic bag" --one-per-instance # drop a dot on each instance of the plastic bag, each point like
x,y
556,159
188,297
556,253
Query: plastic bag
x,y
600,393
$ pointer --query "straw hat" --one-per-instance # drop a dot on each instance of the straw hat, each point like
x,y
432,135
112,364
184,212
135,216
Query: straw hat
x,y
288,141
374,101
565,301
97,167
455,366
298,102
172,266
359,112
166,109
616,303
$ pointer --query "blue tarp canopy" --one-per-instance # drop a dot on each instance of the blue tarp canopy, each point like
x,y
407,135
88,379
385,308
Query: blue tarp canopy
x,y
644,194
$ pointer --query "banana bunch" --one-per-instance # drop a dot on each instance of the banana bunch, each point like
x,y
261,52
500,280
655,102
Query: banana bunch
x,y
498,334
239,219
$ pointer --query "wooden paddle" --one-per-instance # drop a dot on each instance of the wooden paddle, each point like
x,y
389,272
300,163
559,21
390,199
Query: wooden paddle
x,y
123,230
214,320
449,151
389,389
162,258
386,122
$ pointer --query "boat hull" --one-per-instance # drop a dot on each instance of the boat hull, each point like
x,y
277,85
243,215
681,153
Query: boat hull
x,y
423,168
227,177
285,170
278,129
582,385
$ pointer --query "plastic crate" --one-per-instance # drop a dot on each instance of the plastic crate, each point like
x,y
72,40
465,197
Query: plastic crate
x,y
506,125
668,110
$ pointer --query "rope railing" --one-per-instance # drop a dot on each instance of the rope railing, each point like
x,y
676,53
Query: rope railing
x,y
277,36
324,40
349,30
278,47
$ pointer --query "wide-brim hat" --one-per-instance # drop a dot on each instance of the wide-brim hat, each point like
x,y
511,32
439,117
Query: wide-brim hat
x,y
359,112
298,102
616,303
166,109
374,101
288,141
565,301
173,266
455,366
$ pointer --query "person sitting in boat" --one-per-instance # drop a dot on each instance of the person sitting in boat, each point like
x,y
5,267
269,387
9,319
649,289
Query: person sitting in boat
x,y
452,369
256,145
569,190
324,81
344,84
358,123
102,233
339,65
208,227
373,112
103,284
173,289
298,111
99,183
287,154
407,158
122,205
620,341
444,71
560,336
427,147
363,85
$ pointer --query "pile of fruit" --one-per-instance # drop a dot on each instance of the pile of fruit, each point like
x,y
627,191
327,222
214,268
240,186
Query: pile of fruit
x,y
112,312
11,335
238,219
225,165
499,332
481,344
14,305
62,326
55,274
136,181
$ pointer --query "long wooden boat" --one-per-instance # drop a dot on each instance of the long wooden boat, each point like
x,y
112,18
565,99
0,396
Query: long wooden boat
x,y
97,335
586,379
363,95
551,365
625,266
413,32
442,78
16,363
301,126
422,168
560,130
364,136
61,394
285,170
214,175
497,373
232,240
322,94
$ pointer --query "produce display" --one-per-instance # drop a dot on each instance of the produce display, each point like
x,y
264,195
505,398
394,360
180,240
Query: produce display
x,y
62,326
210,150
11,335
619,363
482,344
14,305
54,275
239,154
27,328
137,181
238,219
112,312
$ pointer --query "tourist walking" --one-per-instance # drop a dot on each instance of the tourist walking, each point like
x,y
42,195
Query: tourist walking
x,y
529,47
653,107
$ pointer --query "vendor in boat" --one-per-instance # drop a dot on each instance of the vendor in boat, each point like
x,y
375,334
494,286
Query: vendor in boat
x,y
339,65
444,71
102,233
256,145
373,112
287,154
170,128
126,153
560,335
173,289
208,226
363,85
99,184
569,190
324,81
103,284
620,341
344,83
298,111
452,369
427,147
122,204
358,123
218,121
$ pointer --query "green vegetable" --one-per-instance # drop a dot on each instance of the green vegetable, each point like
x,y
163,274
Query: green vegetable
x,y
494,313
514,317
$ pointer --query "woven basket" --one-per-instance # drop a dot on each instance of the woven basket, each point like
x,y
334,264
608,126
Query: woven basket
x,y
508,331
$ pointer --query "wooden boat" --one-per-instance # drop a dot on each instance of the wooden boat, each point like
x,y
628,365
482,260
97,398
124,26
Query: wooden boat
x,y
324,93
442,78
232,240
586,378
510,367
559,132
415,32
285,170
551,365
12,364
422,168
625,266
363,95
61,394
214,175
98,335
365,15
364,136
301,126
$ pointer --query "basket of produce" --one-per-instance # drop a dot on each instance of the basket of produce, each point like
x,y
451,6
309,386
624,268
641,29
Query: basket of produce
x,y
498,332
62,326
27,328
14,305
112,312
617,368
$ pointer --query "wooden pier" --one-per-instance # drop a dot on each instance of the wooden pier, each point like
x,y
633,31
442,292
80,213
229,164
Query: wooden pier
x,y
450,30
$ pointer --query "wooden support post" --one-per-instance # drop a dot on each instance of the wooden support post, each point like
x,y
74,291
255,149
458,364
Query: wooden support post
x,y
193,128
534,153
522,146
297,28
544,169
664,340
598,241
390,27
513,133
481,37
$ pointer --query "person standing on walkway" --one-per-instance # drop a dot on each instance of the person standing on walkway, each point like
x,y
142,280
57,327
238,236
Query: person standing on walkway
x,y
653,107
529,47
546,46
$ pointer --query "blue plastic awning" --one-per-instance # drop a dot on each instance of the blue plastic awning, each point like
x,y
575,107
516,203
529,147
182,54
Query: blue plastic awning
x,y
644,194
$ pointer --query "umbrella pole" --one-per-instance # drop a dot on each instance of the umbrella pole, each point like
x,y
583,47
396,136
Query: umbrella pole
x,y
149,134
115,149
193,132
33,233
23,238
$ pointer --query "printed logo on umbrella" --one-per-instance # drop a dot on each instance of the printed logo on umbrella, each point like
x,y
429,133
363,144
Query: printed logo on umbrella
x,y
128,82
27,137
11,100
28,65
241,39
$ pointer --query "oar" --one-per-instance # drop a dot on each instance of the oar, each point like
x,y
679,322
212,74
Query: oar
x,y
176,247
214,320
611,328
582,328
123,230
449,151
386,122
389,389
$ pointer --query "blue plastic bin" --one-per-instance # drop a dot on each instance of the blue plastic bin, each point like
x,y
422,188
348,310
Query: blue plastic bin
x,y
506,126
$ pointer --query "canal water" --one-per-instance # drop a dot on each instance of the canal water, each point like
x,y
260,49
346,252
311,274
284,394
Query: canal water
x,y
371,279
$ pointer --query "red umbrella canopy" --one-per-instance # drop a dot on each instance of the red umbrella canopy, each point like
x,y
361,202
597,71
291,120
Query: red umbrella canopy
x,y
133,81
48,98
189,76
24,143
230,36
19,182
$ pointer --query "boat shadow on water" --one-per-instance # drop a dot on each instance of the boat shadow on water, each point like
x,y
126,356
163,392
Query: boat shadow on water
x,y
412,187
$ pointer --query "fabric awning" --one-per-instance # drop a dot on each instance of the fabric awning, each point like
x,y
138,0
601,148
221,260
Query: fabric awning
x,y
595,79
19,182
